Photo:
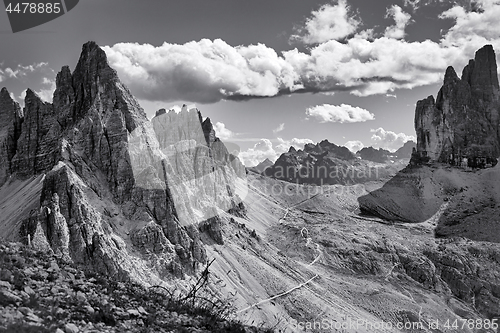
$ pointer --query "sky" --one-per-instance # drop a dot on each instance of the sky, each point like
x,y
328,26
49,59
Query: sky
x,y
268,73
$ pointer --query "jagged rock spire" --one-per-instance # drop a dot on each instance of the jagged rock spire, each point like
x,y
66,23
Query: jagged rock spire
x,y
10,127
463,121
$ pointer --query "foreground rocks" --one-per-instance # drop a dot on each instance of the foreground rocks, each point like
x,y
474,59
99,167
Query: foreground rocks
x,y
40,292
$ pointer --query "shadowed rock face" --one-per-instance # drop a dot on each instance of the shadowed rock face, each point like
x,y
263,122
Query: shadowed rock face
x,y
115,183
462,124
11,118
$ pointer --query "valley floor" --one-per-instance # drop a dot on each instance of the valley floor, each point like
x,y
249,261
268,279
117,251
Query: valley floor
x,y
304,259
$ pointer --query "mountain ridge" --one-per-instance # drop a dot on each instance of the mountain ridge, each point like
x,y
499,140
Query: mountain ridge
x,y
102,163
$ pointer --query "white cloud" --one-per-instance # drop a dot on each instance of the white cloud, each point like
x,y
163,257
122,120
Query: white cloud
x,y
205,71
339,113
11,73
330,22
260,151
366,67
36,72
21,70
361,63
414,4
47,93
473,29
23,95
280,128
401,18
284,145
222,132
264,148
388,139
354,146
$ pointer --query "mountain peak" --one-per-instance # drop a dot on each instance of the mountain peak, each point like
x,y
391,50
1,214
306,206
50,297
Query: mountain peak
x,y
462,123
450,75
160,112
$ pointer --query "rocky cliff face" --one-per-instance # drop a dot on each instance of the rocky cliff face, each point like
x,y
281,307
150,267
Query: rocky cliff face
x,y
11,118
120,193
461,126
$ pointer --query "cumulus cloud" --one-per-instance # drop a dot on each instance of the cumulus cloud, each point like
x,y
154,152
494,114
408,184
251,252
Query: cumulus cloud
x,y
389,139
27,75
413,4
260,151
264,148
284,145
339,113
205,71
330,22
341,59
354,145
22,71
401,18
47,92
473,27
280,128
222,132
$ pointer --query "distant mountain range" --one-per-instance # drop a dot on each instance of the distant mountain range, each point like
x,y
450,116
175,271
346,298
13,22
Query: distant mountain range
x,y
327,163
461,126
382,155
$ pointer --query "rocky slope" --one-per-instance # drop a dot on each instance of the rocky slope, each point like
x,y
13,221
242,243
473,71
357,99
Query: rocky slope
x,y
406,150
461,126
40,292
353,267
120,193
104,195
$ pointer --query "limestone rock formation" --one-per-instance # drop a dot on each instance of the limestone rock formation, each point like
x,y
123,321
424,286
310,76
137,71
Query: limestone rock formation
x,y
37,145
325,163
406,150
461,126
119,192
11,118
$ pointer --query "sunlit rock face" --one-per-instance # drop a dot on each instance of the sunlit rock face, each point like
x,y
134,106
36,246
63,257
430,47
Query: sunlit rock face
x,y
461,126
201,173
120,193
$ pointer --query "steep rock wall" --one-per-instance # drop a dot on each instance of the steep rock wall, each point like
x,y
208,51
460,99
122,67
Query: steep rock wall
x,y
461,126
